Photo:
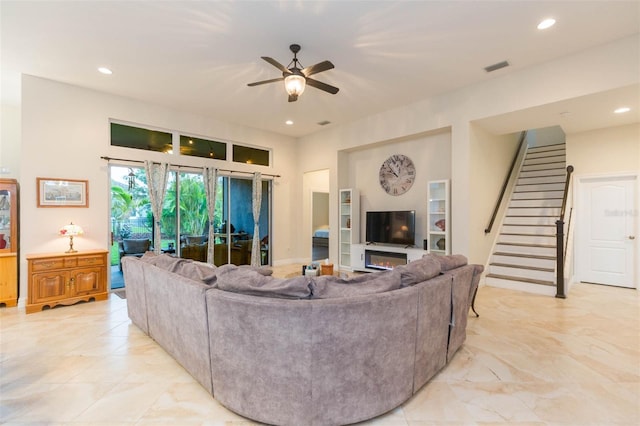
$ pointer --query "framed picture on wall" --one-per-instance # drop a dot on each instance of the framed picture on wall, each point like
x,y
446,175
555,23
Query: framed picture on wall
x,y
54,192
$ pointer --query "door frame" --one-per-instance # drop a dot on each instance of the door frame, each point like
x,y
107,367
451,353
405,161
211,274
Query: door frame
x,y
580,185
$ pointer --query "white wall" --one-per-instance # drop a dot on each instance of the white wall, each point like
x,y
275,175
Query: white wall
x,y
10,141
491,156
611,150
431,155
65,131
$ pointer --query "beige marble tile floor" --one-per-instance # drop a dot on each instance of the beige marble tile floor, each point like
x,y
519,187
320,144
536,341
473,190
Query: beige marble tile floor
x,y
528,359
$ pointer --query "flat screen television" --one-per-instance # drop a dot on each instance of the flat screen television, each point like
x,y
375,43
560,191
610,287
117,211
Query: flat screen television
x,y
391,227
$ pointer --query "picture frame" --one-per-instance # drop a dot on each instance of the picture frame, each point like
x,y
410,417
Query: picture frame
x,y
54,192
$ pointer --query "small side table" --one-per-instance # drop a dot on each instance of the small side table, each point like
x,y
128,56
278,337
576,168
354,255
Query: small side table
x,y
326,269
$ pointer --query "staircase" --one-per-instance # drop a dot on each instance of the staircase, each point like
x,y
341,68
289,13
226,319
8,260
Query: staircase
x,y
525,253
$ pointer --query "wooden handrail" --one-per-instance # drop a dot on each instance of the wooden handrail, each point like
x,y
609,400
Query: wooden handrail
x,y
566,192
560,254
523,136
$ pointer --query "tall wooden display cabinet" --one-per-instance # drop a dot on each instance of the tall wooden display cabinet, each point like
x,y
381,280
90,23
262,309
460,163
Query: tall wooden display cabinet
x,y
9,242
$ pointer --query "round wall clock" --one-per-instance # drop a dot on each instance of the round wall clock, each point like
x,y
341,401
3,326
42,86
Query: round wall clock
x,y
397,174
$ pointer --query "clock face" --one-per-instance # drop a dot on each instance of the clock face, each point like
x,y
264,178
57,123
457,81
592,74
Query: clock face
x,y
397,174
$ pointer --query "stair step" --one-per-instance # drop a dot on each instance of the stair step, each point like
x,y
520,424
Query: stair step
x,y
533,211
527,256
540,179
534,261
546,166
552,172
536,202
537,195
545,160
540,187
526,249
550,147
530,220
531,268
527,239
544,154
546,229
525,280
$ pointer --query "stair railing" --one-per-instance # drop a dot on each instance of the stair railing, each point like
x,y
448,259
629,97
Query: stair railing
x,y
523,136
560,253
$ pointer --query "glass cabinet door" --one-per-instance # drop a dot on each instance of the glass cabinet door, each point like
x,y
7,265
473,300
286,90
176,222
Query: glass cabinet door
x,y
8,215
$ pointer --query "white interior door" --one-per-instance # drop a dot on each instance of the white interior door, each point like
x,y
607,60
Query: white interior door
x,y
607,244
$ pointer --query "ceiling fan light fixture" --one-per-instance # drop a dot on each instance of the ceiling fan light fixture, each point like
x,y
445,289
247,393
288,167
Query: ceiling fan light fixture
x,y
294,84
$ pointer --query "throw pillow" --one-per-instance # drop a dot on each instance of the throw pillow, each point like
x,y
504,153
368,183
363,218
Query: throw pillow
x,y
329,286
418,271
250,281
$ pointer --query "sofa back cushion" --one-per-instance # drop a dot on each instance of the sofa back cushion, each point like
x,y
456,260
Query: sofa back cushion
x,y
329,286
418,271
253,281
188,268
449,262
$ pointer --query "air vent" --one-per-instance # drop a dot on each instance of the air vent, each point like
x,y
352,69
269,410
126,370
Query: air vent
x,y
324,123
497,66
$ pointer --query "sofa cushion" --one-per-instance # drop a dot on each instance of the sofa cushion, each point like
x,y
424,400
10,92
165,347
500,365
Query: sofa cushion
x,y
262,270
329,286
449,262
135,245
419,270
188,268
251,281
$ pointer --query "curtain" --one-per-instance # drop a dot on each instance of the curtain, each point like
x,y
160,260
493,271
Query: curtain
x,y
210,175
157,181
256,258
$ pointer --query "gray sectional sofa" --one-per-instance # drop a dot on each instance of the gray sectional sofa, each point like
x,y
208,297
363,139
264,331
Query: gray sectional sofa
x,y
306,350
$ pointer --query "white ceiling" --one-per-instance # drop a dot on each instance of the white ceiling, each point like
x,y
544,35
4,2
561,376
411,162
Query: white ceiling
x,y
199,56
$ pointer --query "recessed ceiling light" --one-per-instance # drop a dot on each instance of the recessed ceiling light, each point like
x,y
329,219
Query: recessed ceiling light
x,y
622,110
547,23
288,122
105,70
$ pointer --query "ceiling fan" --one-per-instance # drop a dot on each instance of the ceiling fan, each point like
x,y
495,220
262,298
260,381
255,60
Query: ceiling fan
x,y
296,78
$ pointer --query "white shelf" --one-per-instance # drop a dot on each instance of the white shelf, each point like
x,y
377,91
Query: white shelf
x,y
438,217
349,225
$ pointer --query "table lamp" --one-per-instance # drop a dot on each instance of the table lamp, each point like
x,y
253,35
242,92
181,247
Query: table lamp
x,y
71,231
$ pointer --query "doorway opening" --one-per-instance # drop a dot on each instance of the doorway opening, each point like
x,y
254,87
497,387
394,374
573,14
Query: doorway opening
x,y
320,226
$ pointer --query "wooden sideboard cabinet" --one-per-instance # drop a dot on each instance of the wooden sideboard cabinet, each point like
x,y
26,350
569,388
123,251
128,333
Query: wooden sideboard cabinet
x,y
66,278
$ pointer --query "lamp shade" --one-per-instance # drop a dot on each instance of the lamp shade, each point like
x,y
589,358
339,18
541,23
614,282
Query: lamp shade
x,y
295,84
71,230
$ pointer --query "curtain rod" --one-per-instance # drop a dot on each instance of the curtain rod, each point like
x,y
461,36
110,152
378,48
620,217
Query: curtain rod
x,y
187,167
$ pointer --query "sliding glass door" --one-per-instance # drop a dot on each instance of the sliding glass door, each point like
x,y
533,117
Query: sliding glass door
x,y
237,230
185,220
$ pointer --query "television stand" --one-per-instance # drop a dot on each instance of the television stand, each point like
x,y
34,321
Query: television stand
x,y
376,257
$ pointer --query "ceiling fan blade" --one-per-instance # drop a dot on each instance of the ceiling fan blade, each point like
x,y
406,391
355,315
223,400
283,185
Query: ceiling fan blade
x,y
276,64
319,67
273,80
322,86
293,98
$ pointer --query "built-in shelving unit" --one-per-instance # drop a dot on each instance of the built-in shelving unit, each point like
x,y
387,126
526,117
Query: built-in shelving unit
x,y
349,226
439,231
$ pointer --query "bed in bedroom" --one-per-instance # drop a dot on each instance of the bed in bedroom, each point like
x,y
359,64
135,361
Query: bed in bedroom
x,y
320,243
